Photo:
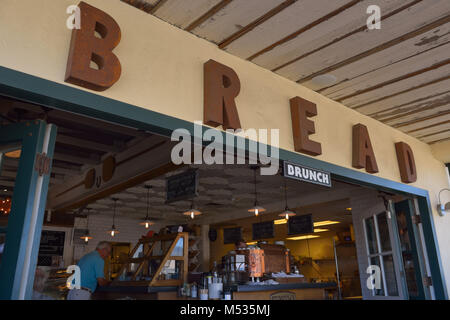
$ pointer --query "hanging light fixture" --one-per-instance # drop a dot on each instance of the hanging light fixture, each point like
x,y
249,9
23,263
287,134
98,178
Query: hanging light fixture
x,y
113,230
147,223
256,209
287,212
86,237
192,212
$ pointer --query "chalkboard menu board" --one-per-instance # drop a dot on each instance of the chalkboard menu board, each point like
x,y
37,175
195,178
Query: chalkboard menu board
x,y
300,224
231,235
182,186
263,230
52,245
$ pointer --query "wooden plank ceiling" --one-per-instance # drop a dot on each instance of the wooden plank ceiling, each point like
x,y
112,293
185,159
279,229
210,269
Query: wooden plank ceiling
x,y
81,142
399,75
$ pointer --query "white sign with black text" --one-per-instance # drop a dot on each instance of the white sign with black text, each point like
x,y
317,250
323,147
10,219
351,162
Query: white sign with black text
x,y
298,172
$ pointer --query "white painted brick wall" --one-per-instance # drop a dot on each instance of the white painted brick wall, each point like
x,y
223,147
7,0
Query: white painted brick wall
x,y
129,231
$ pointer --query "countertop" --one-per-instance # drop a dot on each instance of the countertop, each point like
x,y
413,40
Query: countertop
x,y
281,286
135,289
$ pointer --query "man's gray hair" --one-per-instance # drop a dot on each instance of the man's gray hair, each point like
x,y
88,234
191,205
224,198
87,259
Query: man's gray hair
x,y
102,245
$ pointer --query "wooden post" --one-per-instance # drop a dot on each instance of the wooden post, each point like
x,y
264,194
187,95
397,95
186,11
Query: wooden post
x,y
204,248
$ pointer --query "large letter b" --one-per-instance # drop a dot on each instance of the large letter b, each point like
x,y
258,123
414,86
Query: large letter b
x,y
86,47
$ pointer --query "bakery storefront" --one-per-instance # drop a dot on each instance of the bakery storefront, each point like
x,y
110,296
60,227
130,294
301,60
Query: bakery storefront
x,y
211,177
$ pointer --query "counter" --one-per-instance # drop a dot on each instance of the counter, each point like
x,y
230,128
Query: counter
x,y
285,291
135,292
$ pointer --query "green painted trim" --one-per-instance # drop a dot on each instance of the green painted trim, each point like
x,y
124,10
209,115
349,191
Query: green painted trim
x,y
13,134
40,91
41,214
19,220
407,207
432,246
396,246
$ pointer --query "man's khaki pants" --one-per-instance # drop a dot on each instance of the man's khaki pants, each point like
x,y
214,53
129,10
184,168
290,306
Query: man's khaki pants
x,y
79,294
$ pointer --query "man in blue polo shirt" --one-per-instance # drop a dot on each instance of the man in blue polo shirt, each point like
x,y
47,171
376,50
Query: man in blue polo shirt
x,y
91,267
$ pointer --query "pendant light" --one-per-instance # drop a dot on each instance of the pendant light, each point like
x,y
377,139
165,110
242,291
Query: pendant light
x,y
192,212
256,209
86,237
147,223
113,230
287,212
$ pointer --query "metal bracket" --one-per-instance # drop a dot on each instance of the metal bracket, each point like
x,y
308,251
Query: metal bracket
x,y
427,281
416,219
42,164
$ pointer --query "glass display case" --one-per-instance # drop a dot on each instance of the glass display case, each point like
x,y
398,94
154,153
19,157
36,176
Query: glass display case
x,y
156,261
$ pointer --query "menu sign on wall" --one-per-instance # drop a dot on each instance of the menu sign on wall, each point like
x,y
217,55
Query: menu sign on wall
x,y
300,224
182,186
263,230
302,173
231,235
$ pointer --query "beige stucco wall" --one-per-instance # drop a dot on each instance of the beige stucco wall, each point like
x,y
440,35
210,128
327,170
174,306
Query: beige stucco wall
x,y
441,151
162,70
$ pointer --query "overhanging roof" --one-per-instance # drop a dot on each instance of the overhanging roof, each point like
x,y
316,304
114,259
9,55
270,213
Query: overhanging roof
x,y
399,75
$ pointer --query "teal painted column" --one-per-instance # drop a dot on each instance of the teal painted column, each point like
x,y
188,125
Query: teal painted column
x,y
28,204
434,256
49,146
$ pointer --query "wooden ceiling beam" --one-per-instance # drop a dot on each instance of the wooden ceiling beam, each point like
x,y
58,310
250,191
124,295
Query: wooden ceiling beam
x,y
379,114
397,79
83,143
437,115
222,4
99,125
76,159
360,29
8,174
140,4
427,127
305,28
414,111
157,6
433,134
440,140
256,23
65,171
6,183
378,48
401,92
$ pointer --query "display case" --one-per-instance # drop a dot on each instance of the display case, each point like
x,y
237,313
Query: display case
x,y
159,261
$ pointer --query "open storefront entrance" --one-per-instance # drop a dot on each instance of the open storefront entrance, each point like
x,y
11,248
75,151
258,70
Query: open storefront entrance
x,y
375,225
